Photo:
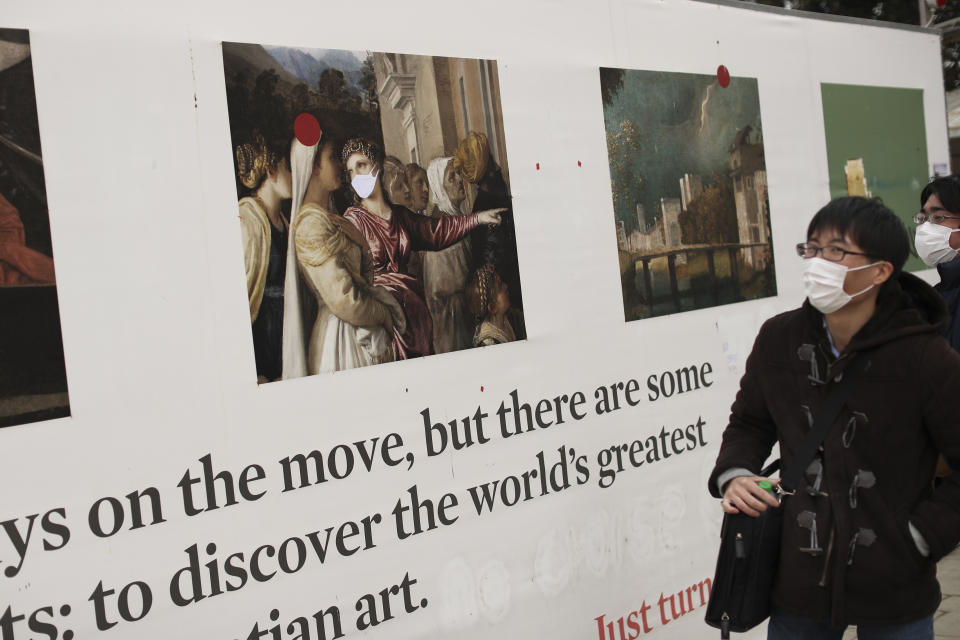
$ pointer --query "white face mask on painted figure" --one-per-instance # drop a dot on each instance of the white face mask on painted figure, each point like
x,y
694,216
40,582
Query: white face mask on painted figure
x,y
933,243
823,284
363,184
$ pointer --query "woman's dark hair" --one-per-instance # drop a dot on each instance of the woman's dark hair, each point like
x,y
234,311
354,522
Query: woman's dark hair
x,y
947,189
323,144
870,225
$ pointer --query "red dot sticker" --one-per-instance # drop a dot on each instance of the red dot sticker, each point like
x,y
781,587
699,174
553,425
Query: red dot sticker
x,y
481,388
307,129
579,164
723,76
538,166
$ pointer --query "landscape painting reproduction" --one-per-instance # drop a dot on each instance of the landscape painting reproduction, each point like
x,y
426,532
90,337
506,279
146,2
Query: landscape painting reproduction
x,y
877,147
33,379
375,206
689,190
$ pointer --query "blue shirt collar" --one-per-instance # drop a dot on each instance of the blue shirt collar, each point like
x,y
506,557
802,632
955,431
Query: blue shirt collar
x,y
836,354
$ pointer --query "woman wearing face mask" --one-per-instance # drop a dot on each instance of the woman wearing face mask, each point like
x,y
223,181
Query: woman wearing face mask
x,y
937,243
393,233
862,533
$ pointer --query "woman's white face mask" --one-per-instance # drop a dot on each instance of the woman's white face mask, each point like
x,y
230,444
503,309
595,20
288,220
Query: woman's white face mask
x,y
363,184
823,284
933,243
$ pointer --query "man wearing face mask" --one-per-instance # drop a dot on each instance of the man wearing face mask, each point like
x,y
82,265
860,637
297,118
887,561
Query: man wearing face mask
x,y
864,529
937,243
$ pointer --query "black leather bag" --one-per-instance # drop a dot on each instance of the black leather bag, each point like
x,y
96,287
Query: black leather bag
x,y
746,568
750,547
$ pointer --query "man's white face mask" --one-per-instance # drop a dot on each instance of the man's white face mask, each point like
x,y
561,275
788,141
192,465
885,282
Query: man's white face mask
x,y
823,284
933,243
363,184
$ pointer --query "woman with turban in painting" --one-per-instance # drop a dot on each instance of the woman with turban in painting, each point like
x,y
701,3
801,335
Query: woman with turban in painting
x,y
265,170
445,272
355,319
393,232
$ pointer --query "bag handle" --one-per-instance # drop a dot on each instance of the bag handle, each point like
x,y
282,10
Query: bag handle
x,y
843,384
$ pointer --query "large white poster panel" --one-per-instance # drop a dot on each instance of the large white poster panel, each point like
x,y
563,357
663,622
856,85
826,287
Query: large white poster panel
x,y
551,487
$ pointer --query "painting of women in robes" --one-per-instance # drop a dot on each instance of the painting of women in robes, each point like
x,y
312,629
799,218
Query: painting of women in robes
x,y
33,382
413,110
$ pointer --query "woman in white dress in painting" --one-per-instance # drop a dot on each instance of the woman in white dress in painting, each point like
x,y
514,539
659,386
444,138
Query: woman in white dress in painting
x,y
355,319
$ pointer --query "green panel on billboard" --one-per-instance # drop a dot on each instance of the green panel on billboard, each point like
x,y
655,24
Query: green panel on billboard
x,y
879,131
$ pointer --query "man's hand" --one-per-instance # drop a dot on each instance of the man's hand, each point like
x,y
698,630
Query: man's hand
x,y
743,494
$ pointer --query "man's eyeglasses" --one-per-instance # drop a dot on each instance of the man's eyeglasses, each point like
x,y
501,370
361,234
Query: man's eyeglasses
x,y
833,254
935,218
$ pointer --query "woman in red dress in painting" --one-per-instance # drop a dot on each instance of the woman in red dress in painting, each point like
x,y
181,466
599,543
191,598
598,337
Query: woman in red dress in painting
x,y
393,234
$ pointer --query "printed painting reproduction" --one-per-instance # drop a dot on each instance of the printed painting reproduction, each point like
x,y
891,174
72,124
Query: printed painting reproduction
x,y
689,190
375,207
33,379
877,147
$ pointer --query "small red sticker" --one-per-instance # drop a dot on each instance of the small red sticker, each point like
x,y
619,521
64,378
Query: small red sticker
x,y
538,166
481,388
579,164
723,76
307,129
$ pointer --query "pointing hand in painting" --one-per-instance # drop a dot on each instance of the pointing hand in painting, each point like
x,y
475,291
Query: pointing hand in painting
x,y
490,216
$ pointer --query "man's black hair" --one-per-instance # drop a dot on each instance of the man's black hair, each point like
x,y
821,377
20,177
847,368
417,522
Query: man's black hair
x,y
947,188
870,225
